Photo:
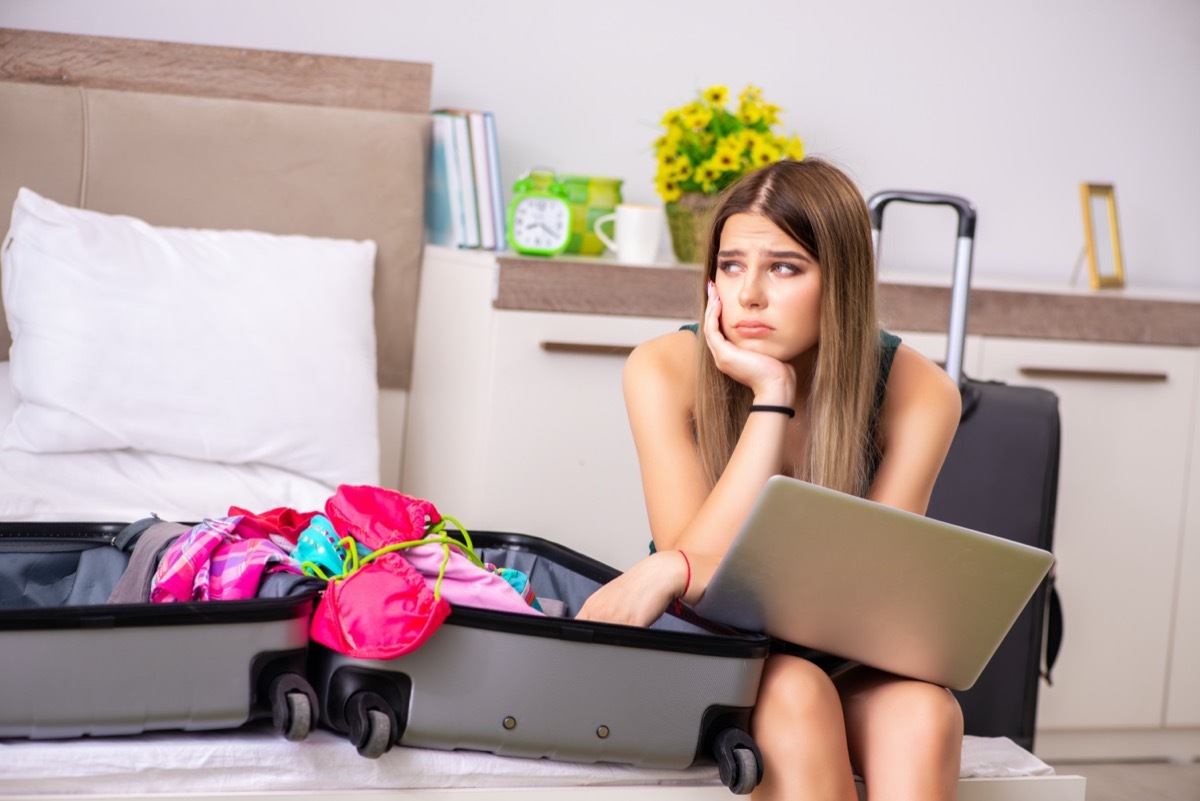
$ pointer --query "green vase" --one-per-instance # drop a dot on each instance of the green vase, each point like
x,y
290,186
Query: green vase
x,y
688,221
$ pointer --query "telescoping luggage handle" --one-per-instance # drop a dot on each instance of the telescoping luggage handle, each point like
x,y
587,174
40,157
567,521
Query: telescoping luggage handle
x,y
960,288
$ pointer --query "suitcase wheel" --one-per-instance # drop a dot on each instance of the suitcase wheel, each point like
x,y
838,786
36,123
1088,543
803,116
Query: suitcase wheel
x,y
747,772
739,762
293,706
299,717
372,724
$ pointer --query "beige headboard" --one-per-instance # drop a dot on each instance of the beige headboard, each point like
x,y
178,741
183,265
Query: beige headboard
x,y
214,137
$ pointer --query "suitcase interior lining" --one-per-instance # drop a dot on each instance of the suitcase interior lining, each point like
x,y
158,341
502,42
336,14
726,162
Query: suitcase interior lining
x,y
59,574
550,579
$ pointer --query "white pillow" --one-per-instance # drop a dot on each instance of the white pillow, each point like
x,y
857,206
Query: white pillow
x,y
227,346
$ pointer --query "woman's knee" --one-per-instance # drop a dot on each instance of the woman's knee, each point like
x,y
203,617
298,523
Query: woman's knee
x,y
794,689
922,713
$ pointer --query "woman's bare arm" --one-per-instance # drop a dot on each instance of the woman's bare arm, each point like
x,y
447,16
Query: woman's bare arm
x,y
918,420
684,513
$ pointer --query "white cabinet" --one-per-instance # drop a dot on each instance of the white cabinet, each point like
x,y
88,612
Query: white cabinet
x,y
1183,687
1126,420
517,420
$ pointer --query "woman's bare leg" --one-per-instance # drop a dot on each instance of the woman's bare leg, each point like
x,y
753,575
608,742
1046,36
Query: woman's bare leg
x,y
798,726
905,736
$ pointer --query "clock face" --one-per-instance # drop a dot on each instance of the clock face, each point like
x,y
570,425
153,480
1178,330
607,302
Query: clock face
x,y
541,224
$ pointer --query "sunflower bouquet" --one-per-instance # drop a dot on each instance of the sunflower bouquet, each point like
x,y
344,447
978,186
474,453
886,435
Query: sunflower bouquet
x,y
707,144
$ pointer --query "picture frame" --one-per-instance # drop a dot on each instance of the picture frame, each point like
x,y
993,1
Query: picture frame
x,y
1102,236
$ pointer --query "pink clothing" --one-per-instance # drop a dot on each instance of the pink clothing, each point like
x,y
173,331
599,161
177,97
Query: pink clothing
x,y
213,562
465,583
281,525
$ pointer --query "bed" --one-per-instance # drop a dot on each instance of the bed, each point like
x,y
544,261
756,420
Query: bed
x,y
311,170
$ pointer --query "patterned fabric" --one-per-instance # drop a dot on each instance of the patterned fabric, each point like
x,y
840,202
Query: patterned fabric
x,y
213,562
519,582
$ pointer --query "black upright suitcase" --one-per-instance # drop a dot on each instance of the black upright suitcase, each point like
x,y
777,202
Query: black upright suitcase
x,y
1000,477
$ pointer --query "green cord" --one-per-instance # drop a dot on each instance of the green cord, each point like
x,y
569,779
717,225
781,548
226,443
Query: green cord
x,y
352,564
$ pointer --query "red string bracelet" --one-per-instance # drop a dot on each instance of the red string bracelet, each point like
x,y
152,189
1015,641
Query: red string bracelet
x,y
686,584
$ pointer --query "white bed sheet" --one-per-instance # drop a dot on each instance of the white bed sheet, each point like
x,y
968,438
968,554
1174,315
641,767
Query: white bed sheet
x,y
255,760
127,485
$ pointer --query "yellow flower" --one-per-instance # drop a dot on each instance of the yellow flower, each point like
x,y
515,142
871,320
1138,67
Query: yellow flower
x,y
747,138
794,149
716,95
750,113
683,170
668,189
697,117
726,160
731,144
750,94
708,172
764,153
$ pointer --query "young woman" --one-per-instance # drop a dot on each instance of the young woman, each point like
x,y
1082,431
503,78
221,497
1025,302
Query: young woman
x,y
788,372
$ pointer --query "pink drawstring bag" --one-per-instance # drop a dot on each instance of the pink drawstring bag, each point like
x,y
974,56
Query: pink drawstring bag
x,y
377,517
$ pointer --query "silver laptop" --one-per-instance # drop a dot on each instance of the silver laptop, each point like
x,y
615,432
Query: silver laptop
x,y
873,584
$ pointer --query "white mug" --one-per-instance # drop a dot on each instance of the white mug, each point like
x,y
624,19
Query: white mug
x,y
638,232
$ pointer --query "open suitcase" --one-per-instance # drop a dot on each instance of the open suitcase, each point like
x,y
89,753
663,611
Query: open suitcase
x,y
553,687
75,665
1000,477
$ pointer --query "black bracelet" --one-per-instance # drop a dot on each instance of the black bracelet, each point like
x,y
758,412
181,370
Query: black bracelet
x,y
788,410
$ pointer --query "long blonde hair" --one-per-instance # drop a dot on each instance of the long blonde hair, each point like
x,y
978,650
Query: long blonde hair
x,y
818,206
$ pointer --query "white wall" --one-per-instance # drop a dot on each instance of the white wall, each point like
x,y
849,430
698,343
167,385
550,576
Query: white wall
x,y
1011,103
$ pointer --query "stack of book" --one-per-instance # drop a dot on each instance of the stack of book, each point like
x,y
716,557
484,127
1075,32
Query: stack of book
x,y
464,206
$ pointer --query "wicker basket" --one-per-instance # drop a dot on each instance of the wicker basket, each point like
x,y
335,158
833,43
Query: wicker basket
x,y
688,221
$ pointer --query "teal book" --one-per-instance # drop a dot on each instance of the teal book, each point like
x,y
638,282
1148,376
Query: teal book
x,y
466,174
443,195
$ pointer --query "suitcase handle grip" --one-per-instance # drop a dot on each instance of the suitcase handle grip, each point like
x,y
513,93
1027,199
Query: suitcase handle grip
x,y
960,287
964,207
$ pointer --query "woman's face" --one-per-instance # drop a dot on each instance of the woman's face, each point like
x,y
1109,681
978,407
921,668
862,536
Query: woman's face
x,y
770,289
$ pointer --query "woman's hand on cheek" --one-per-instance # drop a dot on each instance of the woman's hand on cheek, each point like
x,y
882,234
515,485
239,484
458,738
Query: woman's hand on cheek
x,y
640,595
761,373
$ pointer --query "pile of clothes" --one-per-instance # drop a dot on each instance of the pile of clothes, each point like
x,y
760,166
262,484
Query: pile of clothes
x,y
392,568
